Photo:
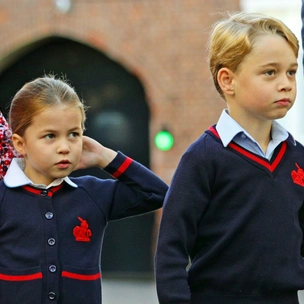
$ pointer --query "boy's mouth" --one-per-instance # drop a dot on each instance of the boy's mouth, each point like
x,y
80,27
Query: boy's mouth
x,y
283,102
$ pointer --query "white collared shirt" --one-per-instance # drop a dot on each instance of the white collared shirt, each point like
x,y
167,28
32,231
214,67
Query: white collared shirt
x,y
15,177
229,130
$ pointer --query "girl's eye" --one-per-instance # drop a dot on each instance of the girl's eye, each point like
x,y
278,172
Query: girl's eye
x,y
74,134
270,73
49,136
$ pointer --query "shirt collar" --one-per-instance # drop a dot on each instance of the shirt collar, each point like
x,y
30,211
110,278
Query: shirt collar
x,y
228,128
15,177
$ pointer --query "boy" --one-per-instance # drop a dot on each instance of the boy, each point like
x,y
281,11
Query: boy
x,y
234,201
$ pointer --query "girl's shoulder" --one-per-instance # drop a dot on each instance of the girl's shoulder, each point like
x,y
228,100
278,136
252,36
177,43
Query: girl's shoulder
x,y
90,182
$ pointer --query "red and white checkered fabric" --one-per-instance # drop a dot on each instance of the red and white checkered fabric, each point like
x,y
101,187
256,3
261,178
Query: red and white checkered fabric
x,y
7,152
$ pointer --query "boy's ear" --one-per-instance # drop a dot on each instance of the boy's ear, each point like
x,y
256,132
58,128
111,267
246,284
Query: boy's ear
x,y
225,81
19,144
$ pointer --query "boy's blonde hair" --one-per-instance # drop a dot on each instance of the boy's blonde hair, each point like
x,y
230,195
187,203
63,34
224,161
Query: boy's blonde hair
x,y
233,38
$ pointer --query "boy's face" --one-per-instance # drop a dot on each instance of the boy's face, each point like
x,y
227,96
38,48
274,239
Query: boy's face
x,y
265,82
52,144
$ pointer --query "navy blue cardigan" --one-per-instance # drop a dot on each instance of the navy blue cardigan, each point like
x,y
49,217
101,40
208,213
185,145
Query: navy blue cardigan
x,y
238,217
50,240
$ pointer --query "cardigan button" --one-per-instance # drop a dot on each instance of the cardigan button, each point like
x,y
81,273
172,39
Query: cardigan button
x,y
49,215
44,192
51,241
52,268
52,295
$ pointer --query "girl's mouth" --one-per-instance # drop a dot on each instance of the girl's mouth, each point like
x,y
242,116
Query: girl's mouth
x,y
64,164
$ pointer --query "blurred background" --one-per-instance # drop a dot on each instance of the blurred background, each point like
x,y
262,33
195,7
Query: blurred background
x,y
141,67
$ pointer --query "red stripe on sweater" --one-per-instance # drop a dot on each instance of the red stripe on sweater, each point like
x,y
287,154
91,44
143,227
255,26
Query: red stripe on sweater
x,y
82,277
38,191
128,161
270,167
27,277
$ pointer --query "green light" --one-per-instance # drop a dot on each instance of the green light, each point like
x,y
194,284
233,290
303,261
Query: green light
x,y
164,140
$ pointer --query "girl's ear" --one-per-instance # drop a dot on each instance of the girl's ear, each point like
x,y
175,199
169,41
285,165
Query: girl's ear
x,y
19,144
225,81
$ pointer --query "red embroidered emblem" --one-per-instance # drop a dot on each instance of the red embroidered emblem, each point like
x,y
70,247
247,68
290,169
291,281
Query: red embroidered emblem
x,y
298,176
82,233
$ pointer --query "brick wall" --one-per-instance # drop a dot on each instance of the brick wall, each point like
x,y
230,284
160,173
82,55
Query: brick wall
x,y
163,42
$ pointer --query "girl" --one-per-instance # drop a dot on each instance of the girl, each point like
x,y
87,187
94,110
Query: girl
x,y
52,226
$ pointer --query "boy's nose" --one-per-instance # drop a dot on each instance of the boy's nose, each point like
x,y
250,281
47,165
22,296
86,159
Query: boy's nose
x,y
285,84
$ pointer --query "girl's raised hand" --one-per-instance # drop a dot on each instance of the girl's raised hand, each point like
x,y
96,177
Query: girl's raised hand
x,y
94,154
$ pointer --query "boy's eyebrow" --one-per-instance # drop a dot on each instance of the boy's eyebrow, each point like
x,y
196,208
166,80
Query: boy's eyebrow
x,y
275,64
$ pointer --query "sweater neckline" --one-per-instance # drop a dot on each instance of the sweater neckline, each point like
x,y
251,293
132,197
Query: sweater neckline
x,y
270,165
43,192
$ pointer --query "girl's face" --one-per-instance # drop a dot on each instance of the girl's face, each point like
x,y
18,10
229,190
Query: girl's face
x,y
52,144
264,86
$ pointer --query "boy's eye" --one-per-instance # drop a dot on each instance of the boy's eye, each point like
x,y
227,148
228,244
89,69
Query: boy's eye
x,y
292,72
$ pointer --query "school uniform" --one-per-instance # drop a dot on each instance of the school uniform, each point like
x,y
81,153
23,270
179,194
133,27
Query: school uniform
x,y
51,236
238,215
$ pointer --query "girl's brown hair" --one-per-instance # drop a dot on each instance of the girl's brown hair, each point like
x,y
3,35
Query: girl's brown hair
x,y
37,95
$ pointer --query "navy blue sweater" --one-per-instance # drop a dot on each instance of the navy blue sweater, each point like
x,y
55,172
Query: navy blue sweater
x,y
50,240
238,217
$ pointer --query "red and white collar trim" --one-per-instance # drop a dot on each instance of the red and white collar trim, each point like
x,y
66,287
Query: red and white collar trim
x,y
15,177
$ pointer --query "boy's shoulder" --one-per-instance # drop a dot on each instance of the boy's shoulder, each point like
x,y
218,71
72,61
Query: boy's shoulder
x,y
298,144
209,138
204,148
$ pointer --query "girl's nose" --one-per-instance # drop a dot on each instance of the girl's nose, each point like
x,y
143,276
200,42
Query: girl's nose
x,y
63,147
